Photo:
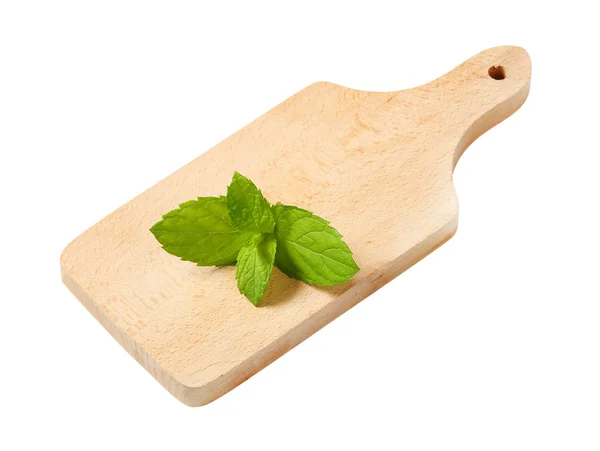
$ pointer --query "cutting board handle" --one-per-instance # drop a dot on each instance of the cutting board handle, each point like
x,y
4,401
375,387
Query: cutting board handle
x,y
482,92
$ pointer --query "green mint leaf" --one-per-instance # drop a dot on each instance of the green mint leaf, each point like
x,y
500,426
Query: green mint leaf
x,y
255,265
248,208
200,231
309,249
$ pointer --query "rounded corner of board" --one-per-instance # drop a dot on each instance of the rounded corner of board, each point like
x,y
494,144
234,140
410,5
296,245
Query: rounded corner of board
x,y
194,396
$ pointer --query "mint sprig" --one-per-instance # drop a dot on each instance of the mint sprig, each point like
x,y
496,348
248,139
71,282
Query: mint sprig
x,y
245,230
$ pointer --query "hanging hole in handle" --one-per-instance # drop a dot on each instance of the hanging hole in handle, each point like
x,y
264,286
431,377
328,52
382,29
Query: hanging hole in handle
x,y
497,72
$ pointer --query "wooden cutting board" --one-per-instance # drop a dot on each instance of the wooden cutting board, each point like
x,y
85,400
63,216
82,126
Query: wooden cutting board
x,y
378,165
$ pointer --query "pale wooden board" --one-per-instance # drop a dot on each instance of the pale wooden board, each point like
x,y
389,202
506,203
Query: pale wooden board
x,y
377,165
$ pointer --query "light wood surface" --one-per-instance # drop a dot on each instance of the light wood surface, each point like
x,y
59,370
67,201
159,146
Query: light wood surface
x,y
377,165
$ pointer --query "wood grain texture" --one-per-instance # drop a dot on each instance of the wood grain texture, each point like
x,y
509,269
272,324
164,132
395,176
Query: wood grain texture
x,y
377,165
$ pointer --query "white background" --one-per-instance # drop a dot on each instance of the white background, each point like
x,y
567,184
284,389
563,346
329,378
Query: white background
x,y
490,343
